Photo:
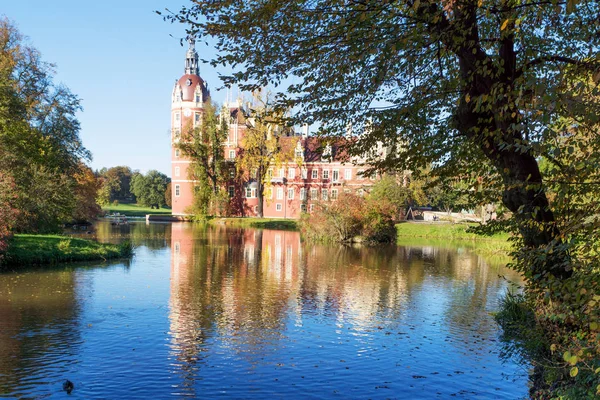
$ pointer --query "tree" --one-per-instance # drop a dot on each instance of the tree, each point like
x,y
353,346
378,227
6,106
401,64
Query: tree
x,y
150,189
86,189
261,148
204,146
116,184
8,212
442,81
40,148
168,195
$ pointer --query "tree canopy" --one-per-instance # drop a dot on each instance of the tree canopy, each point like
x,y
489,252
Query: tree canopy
x,y
41,153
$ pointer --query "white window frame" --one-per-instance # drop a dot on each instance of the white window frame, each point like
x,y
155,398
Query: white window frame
x,y
176,153
335,175
231,153
304,173
291,173
325,194
302,194
334,194
177,171
303,207
314,194
278,207
348,174
177,190
291,192
315,173
279,193
248,192
231,191
282,172
325,174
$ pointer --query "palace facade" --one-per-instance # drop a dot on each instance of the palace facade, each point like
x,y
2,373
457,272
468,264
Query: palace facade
x,y
318,173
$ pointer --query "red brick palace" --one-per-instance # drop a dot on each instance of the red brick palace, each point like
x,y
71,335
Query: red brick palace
x,y
293,189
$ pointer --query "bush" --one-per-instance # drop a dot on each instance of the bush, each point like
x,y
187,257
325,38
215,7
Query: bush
x,y
345,219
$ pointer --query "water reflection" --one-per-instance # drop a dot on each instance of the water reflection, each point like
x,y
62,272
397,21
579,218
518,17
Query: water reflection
x,y
38,327
248,296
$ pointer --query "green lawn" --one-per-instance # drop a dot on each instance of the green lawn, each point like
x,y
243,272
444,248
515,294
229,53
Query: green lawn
x,y
444,231
134,210
53,249
266,223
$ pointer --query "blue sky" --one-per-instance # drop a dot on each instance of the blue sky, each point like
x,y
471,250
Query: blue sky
x,y
119,58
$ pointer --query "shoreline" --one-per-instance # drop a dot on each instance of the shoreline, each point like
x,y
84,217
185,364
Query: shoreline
x,y
27,250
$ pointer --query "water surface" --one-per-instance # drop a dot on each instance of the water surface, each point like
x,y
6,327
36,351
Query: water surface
x,y
244,313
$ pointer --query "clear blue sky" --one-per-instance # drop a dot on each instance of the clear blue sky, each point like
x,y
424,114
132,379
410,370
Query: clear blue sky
x,y
119,58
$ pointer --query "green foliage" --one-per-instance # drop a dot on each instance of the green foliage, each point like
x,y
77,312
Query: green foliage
x,y
204,146
48,249
40,148
116,184
168,195
150,189
8,212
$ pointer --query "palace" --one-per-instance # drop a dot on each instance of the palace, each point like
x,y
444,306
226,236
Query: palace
x,y
293,189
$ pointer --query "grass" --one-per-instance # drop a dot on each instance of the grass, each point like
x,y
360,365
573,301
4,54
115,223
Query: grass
x,y
135,210
53,249
265,223
444,231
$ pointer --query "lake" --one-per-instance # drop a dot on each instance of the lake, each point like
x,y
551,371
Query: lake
x,y
218,312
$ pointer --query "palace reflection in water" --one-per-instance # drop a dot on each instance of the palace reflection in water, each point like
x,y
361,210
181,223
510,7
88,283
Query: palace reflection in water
x,y
250,296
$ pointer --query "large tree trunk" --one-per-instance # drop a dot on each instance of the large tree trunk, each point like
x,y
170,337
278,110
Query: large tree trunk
x,y
524,192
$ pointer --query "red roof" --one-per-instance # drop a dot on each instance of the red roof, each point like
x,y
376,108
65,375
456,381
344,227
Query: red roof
x,y
188,90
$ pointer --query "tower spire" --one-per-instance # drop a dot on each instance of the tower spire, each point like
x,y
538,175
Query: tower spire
x,y
191,57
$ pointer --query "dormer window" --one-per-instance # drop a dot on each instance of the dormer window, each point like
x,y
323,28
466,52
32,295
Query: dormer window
x,y
198,97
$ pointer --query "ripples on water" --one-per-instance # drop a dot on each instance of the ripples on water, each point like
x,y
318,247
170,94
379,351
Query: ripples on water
x,y
237,313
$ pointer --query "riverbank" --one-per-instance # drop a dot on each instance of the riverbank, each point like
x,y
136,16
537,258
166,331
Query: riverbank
x,y
53,249
134,210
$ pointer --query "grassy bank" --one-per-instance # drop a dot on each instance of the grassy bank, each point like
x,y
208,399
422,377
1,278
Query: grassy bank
x,y
53,249
444,231
135,210
265,223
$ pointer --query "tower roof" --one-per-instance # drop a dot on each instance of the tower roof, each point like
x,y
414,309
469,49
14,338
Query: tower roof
x,y
191,58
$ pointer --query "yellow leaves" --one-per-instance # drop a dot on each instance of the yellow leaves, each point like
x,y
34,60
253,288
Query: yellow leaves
x,y
504,24
593,326
553,347
574,371
468,98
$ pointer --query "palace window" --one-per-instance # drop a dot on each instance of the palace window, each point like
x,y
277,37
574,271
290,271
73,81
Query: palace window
x,y
177,117
177,153
176,171
177,190
314,194
291,173
232,154
335,175
347,174
248,193
324,194
334,194
303,207
231,190
302,194
304,173
315,173
197,117
232,172
279,193
278,207
281,172
291,193
325,174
